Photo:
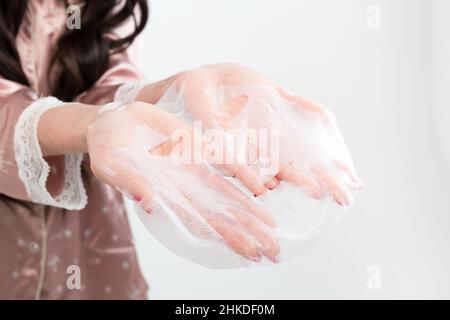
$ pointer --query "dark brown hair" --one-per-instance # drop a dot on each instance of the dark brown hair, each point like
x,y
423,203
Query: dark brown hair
x,y
82,54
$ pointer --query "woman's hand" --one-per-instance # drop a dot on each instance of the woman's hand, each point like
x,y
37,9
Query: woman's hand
x,y
130,147
230,96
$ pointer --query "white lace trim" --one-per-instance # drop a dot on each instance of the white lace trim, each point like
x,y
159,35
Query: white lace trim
x,y
128,92
34,170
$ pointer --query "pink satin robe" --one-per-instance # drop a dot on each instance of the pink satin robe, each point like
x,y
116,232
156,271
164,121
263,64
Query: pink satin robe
x,y
43,240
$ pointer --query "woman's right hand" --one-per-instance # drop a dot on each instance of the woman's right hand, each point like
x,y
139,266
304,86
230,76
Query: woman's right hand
x,y
129,147
229,96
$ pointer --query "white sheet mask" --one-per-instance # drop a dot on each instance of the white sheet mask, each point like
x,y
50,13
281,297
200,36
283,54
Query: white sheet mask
x,y
188,199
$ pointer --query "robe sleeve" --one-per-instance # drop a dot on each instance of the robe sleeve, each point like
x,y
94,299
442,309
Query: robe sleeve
x,y
24,173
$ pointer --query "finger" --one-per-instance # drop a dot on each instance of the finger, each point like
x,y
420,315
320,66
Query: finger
x,y
306,104
313,106
339,194
243,172
227,188
272,183
163,149
124,177
268,242
235,238
292,174
357,183
250,179
191,216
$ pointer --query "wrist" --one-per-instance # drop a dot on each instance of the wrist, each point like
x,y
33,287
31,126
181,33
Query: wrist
x,y
62,130
87,115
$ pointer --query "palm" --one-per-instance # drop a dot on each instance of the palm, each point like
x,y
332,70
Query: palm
x,y
130,149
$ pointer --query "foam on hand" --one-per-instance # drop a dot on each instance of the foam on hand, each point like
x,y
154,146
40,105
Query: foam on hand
x,y
203,214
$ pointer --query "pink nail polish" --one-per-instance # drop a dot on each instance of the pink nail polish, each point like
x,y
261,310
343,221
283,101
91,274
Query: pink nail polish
x,y
274,259
149,210
271,186
137,198
342,203
256,259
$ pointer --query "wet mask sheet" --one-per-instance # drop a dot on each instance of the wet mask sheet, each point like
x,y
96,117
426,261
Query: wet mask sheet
x,y
202,213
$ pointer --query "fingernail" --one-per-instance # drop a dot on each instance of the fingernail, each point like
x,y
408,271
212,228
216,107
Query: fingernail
x,y
271,185
137,198
318,194
274,259
256,259
342,202
149,210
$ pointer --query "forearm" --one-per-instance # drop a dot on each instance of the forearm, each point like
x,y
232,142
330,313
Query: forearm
x,y
62,130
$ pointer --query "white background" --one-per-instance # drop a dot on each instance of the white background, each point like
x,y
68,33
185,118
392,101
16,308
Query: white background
x,y
389,90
